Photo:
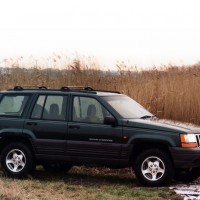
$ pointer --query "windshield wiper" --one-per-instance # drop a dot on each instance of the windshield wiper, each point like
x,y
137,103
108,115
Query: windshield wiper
x,y
147,116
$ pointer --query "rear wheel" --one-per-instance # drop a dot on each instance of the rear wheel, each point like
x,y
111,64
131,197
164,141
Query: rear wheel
x,y
153,167
16,160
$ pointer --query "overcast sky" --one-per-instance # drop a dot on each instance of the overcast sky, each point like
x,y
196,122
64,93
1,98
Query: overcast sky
x,y
142,32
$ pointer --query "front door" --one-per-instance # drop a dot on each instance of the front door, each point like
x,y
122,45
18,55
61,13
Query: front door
x,y
88,136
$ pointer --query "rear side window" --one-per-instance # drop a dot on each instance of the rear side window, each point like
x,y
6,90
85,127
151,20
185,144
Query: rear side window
x,y
50,107
13,105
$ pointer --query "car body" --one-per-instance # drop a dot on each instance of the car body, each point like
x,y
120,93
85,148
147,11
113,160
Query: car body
x,y
59,128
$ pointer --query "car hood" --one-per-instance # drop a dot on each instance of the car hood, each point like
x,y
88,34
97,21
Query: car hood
x,y
161,125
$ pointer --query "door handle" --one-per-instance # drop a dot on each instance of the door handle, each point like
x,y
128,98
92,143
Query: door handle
x,y
31,123
74,126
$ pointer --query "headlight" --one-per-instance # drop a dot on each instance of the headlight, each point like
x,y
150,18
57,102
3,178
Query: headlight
x,y
188,140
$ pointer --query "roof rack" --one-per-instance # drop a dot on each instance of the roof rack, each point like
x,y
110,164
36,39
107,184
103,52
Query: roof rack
x,y
29,87
88,88
85,89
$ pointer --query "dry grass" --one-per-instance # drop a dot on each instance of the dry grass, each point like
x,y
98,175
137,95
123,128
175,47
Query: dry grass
x,y
170,92
81,183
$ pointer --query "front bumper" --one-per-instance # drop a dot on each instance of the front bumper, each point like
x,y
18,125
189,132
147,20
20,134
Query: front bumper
x,y
185,157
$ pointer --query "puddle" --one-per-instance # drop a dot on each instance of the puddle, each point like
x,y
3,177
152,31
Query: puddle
x,y
188,192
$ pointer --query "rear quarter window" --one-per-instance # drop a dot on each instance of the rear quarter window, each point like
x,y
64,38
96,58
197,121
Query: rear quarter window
x,y
13,105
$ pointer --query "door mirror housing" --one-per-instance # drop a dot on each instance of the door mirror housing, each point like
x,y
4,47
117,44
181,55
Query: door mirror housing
x,y
110,121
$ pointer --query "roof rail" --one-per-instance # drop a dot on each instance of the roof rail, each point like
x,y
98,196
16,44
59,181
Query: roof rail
x,y
29,87
88,88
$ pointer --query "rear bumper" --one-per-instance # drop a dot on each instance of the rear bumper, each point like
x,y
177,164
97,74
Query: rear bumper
x,y
185,158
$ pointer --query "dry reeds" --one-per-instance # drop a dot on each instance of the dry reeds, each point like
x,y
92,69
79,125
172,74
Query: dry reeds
x,y
169,92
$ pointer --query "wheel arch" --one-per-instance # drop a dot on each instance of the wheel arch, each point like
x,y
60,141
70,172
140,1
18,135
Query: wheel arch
x,y
140,146
8,139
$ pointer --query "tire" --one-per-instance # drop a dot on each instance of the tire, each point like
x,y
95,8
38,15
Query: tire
x,y
16,160
153,168
187,175
53,167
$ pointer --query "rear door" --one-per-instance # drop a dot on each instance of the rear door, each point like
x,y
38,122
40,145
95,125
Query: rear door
x,y
47,124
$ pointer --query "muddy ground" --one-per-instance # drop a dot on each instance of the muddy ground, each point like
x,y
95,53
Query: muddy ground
x,y
190,191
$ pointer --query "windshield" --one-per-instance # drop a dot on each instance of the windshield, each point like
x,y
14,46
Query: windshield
x,y
127,107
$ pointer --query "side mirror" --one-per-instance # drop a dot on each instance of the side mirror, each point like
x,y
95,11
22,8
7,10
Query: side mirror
x,y
110,121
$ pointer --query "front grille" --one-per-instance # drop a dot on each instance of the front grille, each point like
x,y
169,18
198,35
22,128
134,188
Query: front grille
x,y
198,139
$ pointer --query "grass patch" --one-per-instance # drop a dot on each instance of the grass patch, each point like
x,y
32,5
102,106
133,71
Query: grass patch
x,y
81,183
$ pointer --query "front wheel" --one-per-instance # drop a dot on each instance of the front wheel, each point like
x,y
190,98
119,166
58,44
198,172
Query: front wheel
x,y
16,160
153,167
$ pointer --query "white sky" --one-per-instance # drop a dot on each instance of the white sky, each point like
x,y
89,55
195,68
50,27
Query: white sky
x,y
139,32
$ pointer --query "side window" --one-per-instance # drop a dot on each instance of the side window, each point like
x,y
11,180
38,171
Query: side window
x,y
51,107
13,105
38,108
87,109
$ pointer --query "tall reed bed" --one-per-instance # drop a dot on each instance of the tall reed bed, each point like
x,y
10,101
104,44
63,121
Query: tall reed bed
x,y
169,92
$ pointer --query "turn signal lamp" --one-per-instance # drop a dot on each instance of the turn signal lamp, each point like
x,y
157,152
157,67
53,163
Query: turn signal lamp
x,y
188,140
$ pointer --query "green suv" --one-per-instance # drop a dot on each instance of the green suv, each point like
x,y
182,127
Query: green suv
x,y
59,128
